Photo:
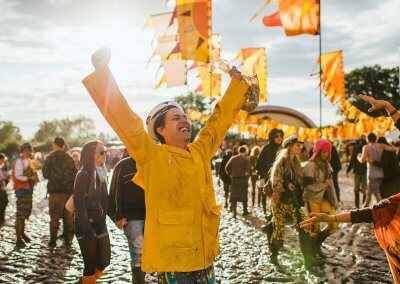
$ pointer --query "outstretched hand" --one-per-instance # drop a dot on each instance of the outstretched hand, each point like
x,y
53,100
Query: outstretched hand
x,y
315,218
375,104
101,58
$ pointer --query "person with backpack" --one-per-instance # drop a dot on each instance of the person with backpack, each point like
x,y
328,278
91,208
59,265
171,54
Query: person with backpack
x,y
59,168
319,192
90,202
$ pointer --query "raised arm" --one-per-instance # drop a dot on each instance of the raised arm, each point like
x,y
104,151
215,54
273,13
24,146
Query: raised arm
x,y
103,89
211,136
381,104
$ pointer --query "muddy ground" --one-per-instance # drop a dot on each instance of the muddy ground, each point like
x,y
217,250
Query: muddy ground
x,y
353,253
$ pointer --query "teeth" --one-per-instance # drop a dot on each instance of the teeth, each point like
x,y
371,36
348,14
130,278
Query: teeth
x,y
184,129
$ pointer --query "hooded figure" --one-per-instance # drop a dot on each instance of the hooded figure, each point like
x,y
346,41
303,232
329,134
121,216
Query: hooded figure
x,y
267,157
90,201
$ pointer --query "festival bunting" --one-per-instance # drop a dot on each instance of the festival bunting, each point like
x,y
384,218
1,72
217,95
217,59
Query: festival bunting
x,y
254,62
194,18
246,123
166,31
295,16
206,88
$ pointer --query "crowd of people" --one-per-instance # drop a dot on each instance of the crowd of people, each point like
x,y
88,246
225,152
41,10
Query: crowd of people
x,y
162,194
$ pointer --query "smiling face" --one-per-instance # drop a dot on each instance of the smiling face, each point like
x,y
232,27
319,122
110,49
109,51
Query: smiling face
x,y
296,148
177,129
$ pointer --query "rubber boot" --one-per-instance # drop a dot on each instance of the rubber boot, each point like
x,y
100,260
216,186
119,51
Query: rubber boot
x,y
357,199
19,226
138,276
99,273
321,237
306,246
91,279
53,237
274,247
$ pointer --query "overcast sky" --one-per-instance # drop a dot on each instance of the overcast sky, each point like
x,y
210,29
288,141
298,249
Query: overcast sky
x,y
45,49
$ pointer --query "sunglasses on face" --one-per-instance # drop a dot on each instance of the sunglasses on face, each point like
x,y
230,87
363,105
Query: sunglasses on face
x,y
278,136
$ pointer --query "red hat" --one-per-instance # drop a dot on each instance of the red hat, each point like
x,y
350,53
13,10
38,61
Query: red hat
x,y
322,144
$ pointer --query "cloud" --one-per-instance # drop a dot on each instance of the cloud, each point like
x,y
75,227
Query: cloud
x,y
45,49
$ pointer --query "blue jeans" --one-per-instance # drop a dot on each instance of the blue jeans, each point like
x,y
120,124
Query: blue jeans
x,y
134,233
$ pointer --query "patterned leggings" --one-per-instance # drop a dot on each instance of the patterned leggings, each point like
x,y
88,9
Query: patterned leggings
x,y
280,212
205,276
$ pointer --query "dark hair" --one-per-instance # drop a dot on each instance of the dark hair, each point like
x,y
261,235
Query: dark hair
x,y
2,156
229,152
242,149
59,142
371,137
382,140
160,122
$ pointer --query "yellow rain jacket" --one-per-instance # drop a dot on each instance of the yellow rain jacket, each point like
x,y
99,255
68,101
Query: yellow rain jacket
x,y
182,217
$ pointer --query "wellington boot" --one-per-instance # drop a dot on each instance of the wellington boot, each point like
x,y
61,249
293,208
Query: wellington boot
x,y
321,237
138,276
307,249
99,273
91,279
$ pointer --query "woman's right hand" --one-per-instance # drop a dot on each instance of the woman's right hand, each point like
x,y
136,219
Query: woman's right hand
x,y
316,218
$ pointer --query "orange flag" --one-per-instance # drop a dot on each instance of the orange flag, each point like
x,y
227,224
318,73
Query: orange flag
x,y
296,17
194,17
255,63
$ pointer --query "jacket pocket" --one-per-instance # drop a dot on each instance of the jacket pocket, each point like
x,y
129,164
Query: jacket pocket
x,y
176,228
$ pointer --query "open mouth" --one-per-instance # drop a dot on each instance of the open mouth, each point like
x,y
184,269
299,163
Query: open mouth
x,y
184,129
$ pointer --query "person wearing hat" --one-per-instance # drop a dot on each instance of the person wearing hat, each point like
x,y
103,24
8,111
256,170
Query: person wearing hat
x,y
23,187
285,179
182,217
319,193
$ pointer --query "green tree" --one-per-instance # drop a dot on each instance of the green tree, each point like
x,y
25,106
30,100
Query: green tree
x,y
195,102
75,131
381,83
10,137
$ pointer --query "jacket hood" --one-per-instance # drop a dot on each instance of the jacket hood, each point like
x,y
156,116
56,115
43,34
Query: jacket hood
x,y
87,155
272,133
322,144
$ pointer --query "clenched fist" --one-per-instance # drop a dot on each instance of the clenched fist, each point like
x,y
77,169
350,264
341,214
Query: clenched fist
x,y
101,58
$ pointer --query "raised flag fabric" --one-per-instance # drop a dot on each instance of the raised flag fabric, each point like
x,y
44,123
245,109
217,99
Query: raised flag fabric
x,y
296,17
254,62
194,18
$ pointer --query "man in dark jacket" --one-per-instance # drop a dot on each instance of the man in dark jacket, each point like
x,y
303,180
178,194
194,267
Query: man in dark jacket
x,y
222,175
127,209
336,165
359,171
59,168
267,158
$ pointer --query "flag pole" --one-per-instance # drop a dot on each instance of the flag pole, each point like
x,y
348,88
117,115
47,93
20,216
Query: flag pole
x,y
320,71
210,50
